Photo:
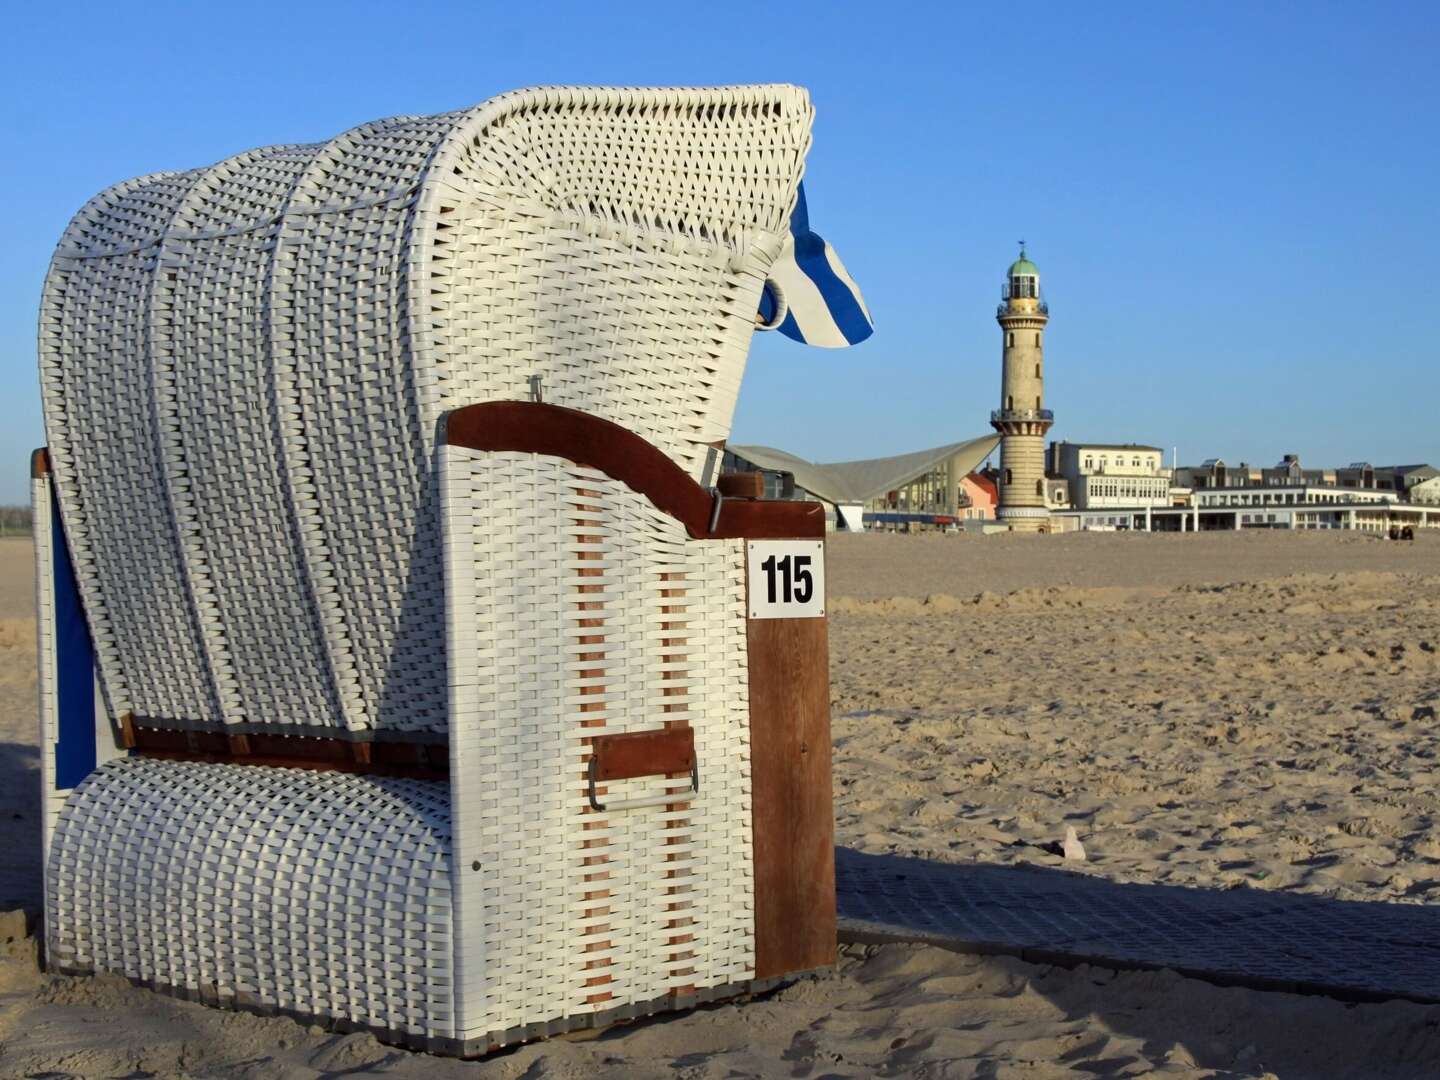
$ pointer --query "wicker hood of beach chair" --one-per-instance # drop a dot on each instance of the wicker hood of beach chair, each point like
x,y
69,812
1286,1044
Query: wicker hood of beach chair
x,y
381,484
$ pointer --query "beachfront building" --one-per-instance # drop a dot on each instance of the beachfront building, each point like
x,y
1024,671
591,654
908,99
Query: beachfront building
x,y
1420,483
1127,487
980,495
1214,495
1022,419
1211,513
1411,483
1402,483
926,488
1213,484
1290,495
1111,475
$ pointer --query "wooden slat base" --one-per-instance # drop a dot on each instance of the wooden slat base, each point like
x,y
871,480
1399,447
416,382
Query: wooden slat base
x,y
423,761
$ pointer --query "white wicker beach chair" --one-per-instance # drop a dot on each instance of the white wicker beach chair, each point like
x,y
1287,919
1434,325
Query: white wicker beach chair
x,y
381,479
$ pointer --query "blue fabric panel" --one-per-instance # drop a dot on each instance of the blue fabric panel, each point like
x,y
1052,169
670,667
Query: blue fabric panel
x,y
74,668
767,305
810,257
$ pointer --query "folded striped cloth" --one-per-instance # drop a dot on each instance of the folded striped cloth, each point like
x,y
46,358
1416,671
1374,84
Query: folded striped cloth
x,y
809,295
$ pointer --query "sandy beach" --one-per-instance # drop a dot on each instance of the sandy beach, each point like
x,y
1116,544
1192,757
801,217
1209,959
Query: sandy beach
x,y
1252,711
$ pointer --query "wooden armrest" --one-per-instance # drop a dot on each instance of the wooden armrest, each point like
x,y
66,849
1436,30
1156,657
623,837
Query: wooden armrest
x,y
535,428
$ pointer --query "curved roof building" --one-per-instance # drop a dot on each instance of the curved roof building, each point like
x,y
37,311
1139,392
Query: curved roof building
x,y
857,482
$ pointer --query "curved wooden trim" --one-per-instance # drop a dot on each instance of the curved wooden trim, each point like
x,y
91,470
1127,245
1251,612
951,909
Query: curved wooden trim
x,y
530,427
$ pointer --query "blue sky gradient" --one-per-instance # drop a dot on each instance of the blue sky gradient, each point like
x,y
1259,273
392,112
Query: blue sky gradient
x,y
1233,206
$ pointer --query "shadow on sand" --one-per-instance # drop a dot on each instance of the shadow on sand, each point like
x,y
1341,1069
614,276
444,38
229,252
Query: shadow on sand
x,y
19,826
1354,951
1328,949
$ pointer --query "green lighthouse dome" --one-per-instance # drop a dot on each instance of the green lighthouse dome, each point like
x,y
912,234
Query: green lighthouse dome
x,y
1023,265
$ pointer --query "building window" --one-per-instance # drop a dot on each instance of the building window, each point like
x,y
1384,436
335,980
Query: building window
x,y
1037,403
1037,339
1010,341
1037,371
1010,401
1040,487
1009,477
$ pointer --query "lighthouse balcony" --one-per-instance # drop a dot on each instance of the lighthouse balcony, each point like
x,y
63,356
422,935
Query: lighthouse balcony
x,y
1000,416
1004,308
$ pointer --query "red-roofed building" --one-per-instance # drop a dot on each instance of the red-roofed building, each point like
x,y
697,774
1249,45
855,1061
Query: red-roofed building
x,y
981,491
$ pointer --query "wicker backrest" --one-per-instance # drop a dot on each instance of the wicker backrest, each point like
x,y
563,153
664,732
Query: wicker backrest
x,y
243,368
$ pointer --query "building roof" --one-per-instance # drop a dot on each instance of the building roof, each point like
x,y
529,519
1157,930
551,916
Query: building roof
x,y
1111,446
1304,482
986,483
861,481
1406,470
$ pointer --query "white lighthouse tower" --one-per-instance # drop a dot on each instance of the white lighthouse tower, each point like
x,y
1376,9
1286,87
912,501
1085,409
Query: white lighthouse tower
x,y
1022,419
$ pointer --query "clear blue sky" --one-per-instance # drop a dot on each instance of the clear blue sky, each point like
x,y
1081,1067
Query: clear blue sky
x,y
1233,206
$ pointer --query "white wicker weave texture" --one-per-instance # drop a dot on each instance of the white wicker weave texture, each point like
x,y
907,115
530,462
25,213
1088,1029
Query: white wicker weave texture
x,y
243,367
52,800
593,613
320,893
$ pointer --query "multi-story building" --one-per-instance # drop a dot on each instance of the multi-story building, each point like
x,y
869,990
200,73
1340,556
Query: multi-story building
x,y
1420,483
1215,484
1300,494
1405,483
1412,483
979,496
1111,475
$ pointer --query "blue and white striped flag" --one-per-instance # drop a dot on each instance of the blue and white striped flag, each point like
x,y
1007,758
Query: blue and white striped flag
x,y
821,303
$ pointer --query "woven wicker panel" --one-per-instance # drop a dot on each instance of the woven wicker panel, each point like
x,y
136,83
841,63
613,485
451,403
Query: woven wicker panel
x,y
51,800
104,439
244,367
580,610
621,239
319,893
373,541
243,553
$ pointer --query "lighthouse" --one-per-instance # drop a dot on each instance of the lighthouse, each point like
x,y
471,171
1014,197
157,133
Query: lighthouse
x,y
1022,419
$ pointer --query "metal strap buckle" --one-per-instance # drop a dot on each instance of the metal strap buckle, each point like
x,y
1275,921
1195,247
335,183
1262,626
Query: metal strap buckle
x,y
644,800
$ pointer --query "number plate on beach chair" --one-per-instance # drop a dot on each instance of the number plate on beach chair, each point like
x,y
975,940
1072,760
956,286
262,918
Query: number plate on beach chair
x,y
787,579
